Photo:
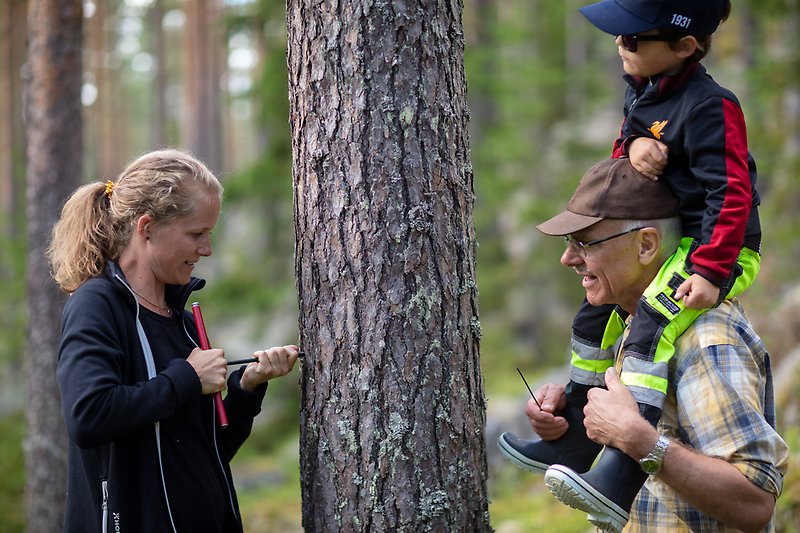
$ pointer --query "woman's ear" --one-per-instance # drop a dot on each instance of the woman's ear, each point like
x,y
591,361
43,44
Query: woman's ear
x,y
649,245
143,225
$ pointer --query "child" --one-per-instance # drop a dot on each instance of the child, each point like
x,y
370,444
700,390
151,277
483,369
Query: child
x,y
679,124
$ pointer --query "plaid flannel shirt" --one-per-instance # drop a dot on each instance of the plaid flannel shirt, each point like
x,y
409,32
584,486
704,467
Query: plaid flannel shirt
x,y
720,376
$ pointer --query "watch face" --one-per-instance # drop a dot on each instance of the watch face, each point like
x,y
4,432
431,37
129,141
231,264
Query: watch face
x,y
650,466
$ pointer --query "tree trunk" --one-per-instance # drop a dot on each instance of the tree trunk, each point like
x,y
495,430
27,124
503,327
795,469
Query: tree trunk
x,y
392,402
6,110
482,104
54,129
160,113
202,120
12,142
104,121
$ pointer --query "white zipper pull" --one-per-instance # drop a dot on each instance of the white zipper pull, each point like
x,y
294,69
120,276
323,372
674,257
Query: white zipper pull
x,y
104,486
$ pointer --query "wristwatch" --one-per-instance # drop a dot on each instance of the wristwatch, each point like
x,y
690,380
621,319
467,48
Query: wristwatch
x,y
651,463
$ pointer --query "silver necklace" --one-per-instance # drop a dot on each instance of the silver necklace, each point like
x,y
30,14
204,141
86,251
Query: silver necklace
x,y
162,309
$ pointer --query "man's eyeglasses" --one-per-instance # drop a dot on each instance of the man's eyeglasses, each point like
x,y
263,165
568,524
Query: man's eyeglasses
x,y
581,247
631,42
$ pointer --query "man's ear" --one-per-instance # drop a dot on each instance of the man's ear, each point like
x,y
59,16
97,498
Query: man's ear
x,y
649,245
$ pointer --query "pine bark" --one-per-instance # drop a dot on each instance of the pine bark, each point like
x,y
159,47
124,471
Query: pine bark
x,y
53,111
392,401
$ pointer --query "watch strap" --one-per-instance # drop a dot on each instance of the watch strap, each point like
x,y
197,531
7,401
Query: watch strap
x,y
651,463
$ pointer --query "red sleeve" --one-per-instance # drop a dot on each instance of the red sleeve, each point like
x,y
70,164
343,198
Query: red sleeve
x,y
720,162
620,149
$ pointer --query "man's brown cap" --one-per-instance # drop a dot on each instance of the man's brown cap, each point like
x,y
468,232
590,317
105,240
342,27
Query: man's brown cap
x,y
613,189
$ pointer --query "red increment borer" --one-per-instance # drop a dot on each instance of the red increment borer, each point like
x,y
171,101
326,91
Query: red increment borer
x,y
205,345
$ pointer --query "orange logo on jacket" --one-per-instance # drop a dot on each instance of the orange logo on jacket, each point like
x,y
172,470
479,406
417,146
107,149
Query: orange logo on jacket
x,y
657,128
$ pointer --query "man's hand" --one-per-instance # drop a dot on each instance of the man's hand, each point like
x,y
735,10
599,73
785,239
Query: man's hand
x,y
543,421
648,156
613,419
697,292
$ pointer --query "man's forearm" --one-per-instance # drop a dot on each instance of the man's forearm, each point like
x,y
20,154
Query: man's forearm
x,y
716,488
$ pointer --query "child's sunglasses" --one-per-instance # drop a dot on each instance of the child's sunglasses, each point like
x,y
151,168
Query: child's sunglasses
x,y
631,42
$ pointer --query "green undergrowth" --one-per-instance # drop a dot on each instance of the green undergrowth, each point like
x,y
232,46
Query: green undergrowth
x,y
12,474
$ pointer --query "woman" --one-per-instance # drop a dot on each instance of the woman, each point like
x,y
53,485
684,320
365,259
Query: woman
x,y
146,452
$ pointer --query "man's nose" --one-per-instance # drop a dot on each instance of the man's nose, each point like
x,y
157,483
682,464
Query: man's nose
x,y
571,257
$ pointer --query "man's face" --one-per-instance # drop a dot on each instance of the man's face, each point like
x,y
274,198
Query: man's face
x,y
611,271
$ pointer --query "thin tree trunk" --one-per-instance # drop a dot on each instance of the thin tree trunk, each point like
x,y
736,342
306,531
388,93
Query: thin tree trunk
x,y
6,110
159,98
484,111
53,110
12,140
202,123
392,403
112,131
575,46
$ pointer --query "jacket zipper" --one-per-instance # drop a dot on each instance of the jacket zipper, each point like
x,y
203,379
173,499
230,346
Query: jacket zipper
x,y
105,505
216,448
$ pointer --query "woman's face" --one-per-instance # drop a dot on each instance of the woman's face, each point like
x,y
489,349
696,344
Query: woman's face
x,y
174,248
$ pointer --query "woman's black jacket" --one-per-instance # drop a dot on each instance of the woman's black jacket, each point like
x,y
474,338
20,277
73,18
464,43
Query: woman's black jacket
x,y
132,462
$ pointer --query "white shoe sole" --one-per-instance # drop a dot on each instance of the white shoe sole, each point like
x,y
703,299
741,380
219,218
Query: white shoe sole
x,y
570,489
518,459
603,523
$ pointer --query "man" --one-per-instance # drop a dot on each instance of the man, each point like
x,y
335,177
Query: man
x,y
715,461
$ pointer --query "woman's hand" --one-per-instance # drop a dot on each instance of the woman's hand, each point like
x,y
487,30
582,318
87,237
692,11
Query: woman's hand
x,y
272,363
211,368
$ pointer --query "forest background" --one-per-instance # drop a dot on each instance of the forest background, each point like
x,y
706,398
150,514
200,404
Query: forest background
x,y
545,95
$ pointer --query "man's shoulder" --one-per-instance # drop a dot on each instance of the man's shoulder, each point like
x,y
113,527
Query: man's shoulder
x,y
725,324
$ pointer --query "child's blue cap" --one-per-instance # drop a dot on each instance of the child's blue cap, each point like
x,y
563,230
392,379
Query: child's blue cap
x,y
627,17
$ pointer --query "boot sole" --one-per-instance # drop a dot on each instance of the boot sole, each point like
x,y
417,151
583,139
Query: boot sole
x,y
519,460
570,489
603,523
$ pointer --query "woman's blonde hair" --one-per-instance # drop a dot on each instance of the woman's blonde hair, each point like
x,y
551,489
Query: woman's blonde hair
x,y
98,220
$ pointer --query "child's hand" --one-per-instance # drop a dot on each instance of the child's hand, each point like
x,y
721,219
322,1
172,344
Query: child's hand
x,y
697,292
648,156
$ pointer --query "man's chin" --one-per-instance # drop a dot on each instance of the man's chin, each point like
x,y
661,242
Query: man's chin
x,y
594,300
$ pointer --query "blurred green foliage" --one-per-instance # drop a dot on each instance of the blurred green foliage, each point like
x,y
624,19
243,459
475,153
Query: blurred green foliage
x,y
787,513
12,477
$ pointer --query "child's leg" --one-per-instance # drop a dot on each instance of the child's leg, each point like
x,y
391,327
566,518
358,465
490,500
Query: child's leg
x,y
660,320
573,448
747,267
594,331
